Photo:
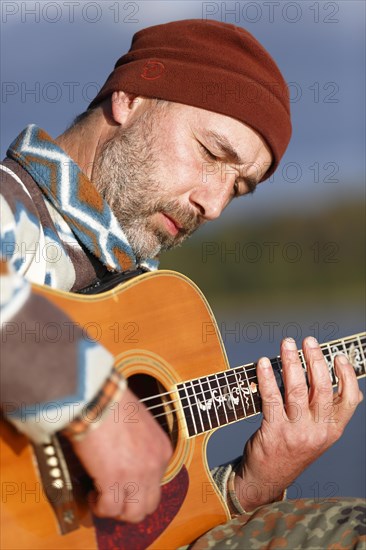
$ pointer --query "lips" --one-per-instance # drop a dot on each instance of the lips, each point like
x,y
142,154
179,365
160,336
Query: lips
x,y
172,225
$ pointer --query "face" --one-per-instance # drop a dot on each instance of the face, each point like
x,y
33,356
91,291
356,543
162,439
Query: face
x,y
173,168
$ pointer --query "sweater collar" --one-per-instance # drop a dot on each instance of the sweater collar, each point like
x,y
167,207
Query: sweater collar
x,y
75,198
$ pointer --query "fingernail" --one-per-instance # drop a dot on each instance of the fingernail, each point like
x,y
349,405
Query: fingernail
x,y
265,363
312,342
290,344
342,359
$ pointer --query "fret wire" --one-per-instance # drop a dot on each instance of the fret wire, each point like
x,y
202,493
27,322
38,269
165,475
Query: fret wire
x,y
197,406
346,353
240,393
277,370
176,429
189,425
232,399
207,411
223,386
213,401
329,361
245,404
256,398
327,354
257,401
278,359
361,350
184,408
302,359
249,367
190,408
223,404
355,356
250,391
353,339
252,379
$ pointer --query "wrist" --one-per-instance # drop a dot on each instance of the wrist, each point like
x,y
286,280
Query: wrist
x,y
247,494
94,413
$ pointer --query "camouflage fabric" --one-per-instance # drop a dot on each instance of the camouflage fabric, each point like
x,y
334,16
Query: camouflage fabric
x,y
334,524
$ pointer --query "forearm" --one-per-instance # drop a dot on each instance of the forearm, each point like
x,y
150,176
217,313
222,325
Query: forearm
x,y
251,491
50,371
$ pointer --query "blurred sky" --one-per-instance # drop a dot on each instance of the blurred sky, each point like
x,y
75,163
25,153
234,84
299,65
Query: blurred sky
x,y
63,51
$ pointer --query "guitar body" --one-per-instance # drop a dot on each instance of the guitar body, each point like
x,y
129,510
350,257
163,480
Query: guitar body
x,y
159,328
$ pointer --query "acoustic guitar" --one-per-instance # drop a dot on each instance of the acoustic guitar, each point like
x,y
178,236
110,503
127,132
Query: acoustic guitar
x,y
165,340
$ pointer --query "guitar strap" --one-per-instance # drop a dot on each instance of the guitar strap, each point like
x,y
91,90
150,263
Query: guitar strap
x,y
106,280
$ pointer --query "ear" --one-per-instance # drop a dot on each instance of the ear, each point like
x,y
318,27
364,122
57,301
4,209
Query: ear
x,y
124,107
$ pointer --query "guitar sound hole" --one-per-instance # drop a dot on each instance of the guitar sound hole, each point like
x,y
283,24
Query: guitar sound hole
x,y
158,401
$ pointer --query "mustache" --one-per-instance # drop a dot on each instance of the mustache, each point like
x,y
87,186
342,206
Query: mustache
x,y
185,217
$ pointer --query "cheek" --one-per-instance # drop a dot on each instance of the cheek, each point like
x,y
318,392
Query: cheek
x,y
180,170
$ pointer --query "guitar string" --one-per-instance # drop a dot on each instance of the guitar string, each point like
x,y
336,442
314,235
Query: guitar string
x,y
255,396
222,376
253,367
212,422
210,425
202,394
197,394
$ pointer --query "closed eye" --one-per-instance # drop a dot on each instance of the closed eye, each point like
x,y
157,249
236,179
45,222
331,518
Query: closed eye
x,y
207,153
250,184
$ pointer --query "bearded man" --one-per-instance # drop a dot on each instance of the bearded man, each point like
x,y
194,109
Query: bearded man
x,y
174,135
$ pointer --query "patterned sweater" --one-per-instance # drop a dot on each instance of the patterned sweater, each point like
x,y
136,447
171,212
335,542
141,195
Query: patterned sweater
x,y
49,207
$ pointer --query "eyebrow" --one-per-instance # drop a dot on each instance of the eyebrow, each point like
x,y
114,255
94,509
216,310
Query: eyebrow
x,y
223,143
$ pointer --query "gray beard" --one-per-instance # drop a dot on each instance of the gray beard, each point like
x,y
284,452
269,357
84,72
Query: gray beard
x,y
124,175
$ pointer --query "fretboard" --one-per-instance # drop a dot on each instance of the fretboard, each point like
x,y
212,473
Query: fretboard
x,y
228,396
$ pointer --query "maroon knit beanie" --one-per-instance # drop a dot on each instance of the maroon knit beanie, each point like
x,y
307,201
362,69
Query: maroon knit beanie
x,y
212,65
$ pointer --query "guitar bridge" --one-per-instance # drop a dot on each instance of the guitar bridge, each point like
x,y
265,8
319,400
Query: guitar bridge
x,y
57,484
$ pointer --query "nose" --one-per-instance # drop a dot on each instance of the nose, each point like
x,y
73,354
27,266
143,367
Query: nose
x,y
211,198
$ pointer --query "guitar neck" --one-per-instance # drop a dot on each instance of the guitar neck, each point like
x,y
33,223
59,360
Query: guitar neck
x,y
228,396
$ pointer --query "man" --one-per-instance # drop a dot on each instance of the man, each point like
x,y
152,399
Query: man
x,y
164,147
